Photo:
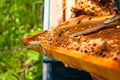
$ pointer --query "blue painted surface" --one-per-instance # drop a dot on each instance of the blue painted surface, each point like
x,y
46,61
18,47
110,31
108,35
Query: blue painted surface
x,y
117,4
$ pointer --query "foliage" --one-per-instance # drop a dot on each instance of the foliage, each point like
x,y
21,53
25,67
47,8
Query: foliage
x,y
19,19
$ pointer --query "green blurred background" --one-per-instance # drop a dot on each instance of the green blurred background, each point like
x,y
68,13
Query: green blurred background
x,y
19,19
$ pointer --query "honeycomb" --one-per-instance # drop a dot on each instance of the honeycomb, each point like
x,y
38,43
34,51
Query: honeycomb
x,y
93,7
104,43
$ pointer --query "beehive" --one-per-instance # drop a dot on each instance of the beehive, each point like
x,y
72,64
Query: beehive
x,y
97,53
